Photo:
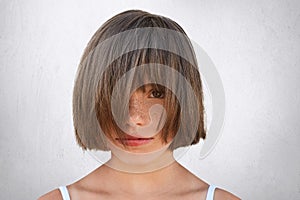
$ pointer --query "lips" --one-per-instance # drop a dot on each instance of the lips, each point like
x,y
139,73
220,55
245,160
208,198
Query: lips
x,y
134,141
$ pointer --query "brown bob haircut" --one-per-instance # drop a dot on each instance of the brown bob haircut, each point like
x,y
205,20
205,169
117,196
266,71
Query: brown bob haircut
x,y
93,89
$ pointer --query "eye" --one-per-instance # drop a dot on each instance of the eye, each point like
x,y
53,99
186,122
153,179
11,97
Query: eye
x,y
157,94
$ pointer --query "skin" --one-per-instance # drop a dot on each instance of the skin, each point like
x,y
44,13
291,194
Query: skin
x,y
172,181
107,183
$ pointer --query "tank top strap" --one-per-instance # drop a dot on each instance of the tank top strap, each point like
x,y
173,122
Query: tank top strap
x,y
64,192
210,192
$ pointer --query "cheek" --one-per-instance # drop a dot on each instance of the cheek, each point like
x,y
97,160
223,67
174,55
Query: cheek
x,y
157,114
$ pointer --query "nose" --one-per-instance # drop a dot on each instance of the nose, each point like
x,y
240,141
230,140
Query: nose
x,y
139,111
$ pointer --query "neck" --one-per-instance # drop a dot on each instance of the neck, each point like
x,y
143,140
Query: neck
x,y
141,163
145,183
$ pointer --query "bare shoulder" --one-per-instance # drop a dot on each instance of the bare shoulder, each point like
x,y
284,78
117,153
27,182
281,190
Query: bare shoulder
x,y
53,195
221,194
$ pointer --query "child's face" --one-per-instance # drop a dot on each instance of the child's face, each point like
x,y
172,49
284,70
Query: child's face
x,y
143,129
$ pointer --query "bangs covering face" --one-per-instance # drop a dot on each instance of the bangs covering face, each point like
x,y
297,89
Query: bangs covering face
x,y
141,70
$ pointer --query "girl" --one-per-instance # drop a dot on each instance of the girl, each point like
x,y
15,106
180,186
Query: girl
x,y
138,95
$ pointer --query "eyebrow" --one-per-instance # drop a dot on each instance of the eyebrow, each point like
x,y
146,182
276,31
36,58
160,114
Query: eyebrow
x,y
143,88
152,85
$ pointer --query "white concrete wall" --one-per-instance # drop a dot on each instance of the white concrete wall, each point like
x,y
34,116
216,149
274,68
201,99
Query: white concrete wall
x,y
255,46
